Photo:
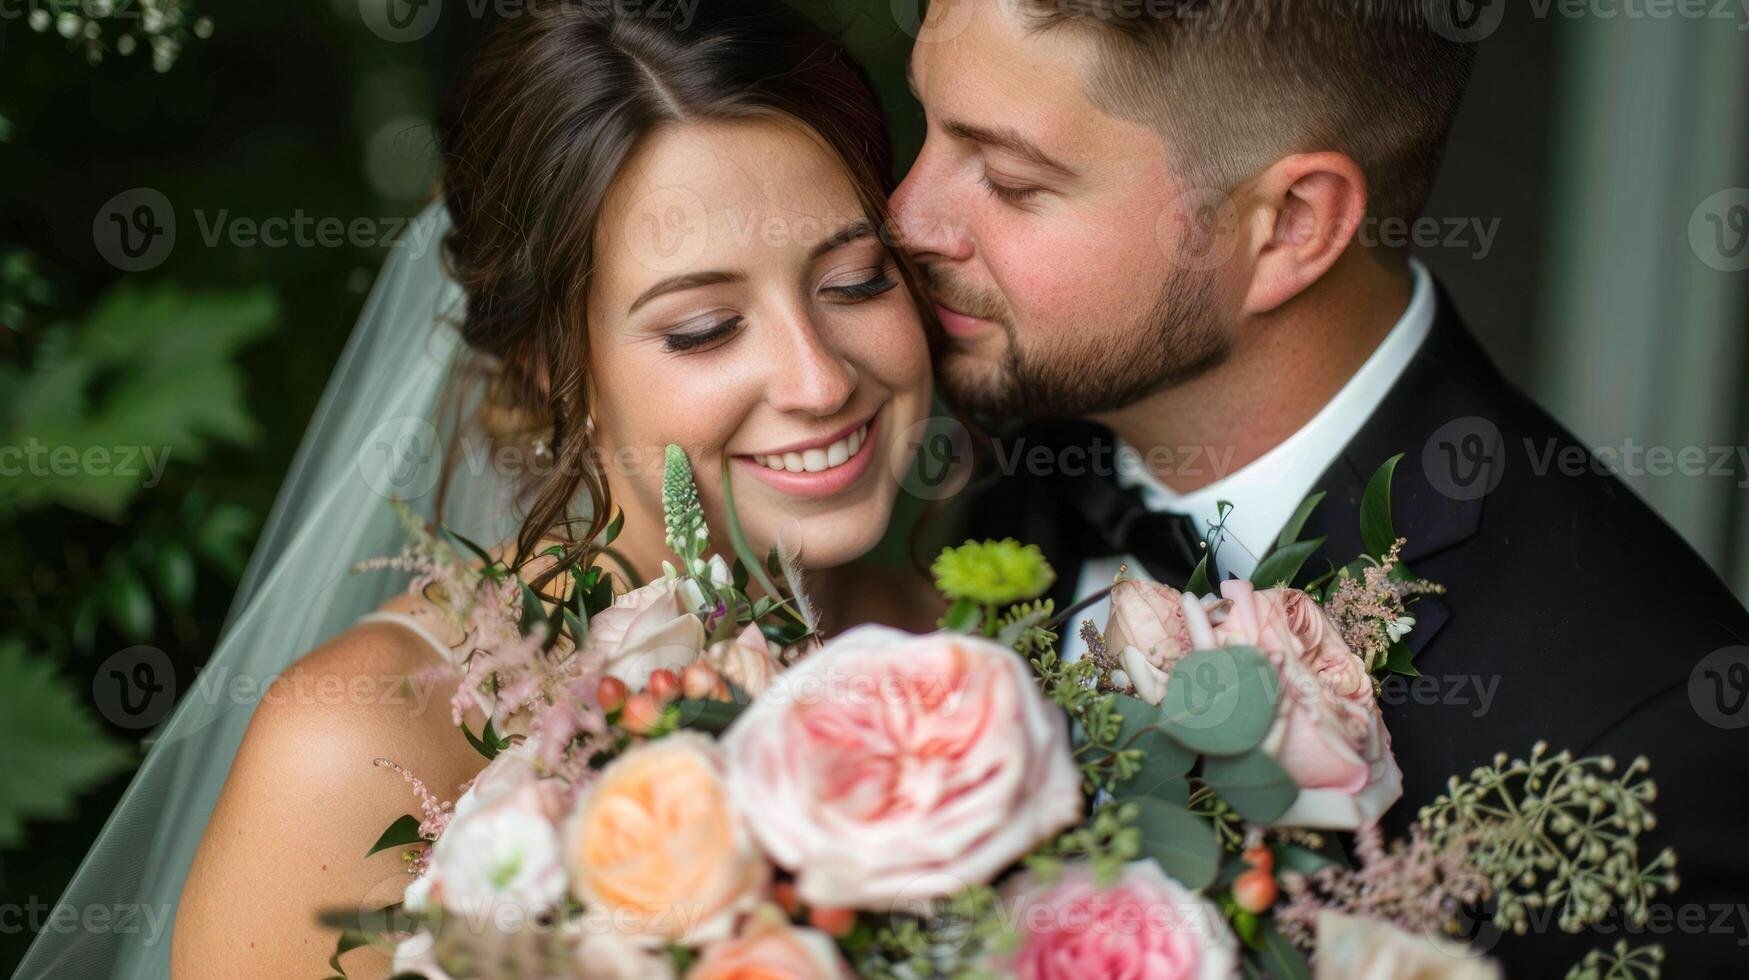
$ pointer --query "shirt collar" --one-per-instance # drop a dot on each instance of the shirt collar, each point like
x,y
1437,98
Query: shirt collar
x,y
1265,492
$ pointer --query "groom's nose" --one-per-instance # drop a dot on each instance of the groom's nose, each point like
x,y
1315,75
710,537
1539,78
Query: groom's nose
x,y
929,228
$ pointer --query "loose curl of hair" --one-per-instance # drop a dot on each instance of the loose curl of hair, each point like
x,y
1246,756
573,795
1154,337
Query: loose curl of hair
x,y
532,139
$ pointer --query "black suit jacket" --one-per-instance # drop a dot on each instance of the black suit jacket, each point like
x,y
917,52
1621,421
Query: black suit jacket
x,y
1574,615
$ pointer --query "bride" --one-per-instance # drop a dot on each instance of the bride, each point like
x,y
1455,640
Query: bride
x,y
664,233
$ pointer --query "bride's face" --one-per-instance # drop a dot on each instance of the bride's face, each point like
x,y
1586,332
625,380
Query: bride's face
x,y
744,306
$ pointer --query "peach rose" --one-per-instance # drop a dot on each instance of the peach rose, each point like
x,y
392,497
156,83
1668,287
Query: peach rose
x,y
1328,733
891,765
1353,948
770,948
647,629
1145,927
746,661
654,843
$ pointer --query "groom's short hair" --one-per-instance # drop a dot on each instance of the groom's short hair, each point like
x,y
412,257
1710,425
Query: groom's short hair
x,y
1237,84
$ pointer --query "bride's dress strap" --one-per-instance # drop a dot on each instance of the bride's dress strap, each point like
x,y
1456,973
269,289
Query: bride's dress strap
x,y
403,619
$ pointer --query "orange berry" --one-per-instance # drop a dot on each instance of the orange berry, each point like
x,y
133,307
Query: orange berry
x,y
641,714
1260,857
665,685
784,894
699,681
833,922
611,694
1254,891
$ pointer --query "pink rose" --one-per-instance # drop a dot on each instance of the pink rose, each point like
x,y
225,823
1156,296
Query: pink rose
x,y
1145,927
1146,632
1328,733
891,765
770,948
645,630
746,661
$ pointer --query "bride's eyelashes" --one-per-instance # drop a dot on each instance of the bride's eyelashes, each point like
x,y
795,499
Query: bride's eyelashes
x,y
882,281
685,338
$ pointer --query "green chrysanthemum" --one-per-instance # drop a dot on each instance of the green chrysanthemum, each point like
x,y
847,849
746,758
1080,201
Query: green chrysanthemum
x,y
993,572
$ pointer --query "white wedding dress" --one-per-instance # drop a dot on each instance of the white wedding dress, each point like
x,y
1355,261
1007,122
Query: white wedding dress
x,y
378,432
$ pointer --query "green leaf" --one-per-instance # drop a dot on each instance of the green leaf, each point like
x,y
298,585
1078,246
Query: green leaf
x,y
1283,564
1303,860
487,743
1165,762
533,611
962,617
350,940
1291,532
1221,702
223,538
1399,659
1253,783
1199,579
611,532
486,559
1281,959
1183,843
53,749
705,715
147,381
1376,532
1010,634
738,538
130,608
404,832
175,572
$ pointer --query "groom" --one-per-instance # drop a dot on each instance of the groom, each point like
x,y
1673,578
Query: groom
x,y
1157,225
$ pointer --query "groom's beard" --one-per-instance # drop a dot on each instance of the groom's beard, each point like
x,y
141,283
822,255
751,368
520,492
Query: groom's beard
x,y
1083,372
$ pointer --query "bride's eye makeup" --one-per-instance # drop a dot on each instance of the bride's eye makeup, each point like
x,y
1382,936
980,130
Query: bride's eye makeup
x,y
877,282
699,334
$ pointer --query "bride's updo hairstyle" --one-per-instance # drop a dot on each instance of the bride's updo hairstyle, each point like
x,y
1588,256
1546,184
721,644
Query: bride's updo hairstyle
x,y
532,139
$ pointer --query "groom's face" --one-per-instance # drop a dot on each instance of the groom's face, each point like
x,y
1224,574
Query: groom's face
x,y
1051,234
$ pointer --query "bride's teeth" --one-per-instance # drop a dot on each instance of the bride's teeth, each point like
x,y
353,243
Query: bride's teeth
x,y
816,460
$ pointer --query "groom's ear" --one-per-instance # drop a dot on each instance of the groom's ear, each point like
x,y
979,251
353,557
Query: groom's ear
x,y
1306,210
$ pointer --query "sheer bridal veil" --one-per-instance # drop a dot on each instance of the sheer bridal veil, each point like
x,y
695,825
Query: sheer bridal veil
x,y
378,432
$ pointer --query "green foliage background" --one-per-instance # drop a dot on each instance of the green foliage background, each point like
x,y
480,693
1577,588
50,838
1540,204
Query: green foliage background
x,y
216,356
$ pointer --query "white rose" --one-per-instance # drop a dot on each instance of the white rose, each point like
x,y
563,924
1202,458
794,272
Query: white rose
x,y
646,630
1353,948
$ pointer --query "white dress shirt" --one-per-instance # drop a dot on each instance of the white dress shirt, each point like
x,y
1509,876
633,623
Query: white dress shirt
x,y
1265,492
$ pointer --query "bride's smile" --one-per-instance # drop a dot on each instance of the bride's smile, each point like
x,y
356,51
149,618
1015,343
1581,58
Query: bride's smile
x,y
817,467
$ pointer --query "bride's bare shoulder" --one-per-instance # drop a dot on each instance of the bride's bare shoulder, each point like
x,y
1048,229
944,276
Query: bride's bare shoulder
x,y
304,800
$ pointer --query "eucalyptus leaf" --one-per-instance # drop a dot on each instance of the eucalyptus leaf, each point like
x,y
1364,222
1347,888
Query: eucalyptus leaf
x,y
1253,783
1376,531
1183,843
1221,702
1281,959
1303,860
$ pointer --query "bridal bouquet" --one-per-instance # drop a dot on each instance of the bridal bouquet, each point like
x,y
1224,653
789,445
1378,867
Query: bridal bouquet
x,y
703,789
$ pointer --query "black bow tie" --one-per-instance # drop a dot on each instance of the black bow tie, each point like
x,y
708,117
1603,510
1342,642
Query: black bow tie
x,y
1169,545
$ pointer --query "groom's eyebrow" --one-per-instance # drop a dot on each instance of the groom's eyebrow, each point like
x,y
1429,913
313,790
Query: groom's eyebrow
x,y
1006,139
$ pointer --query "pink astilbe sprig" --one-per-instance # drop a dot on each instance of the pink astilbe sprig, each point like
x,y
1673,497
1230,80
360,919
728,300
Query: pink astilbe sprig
x,y
1371,610
1415,885
437,813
